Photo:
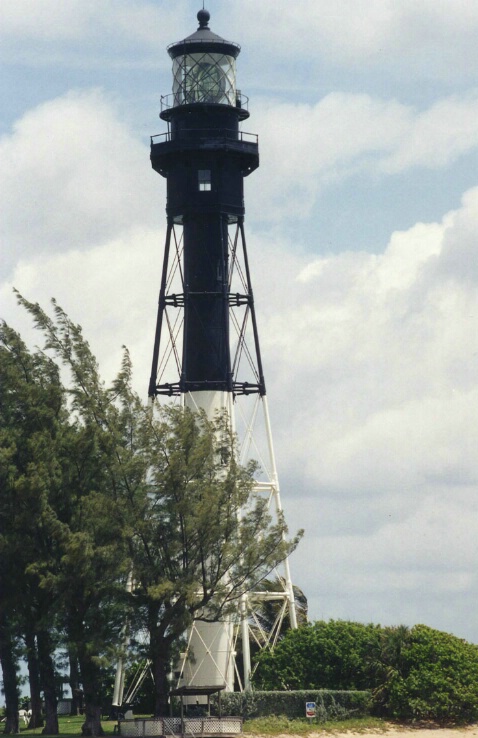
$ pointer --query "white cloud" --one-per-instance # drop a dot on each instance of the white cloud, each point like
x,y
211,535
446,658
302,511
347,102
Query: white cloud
x,y
370,362
428,556
458,257
426,39
110,289
72,175
374,358
47,21
305,148
437,136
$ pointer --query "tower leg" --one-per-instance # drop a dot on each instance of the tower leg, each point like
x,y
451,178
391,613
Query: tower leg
x,y
275,483
118,689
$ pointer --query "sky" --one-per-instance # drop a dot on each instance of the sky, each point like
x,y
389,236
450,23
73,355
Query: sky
x,y
361,227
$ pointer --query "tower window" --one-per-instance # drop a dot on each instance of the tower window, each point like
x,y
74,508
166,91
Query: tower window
x,y
204,180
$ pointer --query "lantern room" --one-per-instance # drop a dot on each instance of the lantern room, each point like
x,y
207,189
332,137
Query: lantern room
x,y
204,67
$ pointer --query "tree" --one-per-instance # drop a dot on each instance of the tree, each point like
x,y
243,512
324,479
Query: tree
x,y
385,664
89,584
8,662
429,675
62,543
170,489
325,655
36,719
271,616
31,410
193,554
412,673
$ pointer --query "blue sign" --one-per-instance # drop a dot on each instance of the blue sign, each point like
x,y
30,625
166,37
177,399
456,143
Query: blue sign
x,y
310,709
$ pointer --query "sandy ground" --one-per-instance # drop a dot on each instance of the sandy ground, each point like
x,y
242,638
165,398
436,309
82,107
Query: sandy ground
x,y
393,732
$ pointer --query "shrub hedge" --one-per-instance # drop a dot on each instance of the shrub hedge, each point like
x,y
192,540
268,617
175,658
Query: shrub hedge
x,y
416,673
330,704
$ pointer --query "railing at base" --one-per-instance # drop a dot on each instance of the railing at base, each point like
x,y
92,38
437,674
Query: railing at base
x,y
199,726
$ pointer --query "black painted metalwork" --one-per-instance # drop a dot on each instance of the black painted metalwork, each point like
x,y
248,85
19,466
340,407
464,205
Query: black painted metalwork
x,y
204,158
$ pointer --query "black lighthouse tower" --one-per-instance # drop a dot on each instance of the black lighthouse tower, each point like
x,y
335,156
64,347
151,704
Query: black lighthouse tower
x,y
205,157
206,348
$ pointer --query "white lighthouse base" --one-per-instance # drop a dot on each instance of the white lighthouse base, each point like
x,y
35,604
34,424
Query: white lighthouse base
x,y
211,401
209,659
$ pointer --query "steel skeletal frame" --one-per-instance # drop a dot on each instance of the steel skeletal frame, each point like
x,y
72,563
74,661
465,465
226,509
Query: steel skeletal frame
x,y
229,301
206,346
167,355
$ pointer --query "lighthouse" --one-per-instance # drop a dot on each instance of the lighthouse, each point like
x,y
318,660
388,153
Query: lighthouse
x,y
206,347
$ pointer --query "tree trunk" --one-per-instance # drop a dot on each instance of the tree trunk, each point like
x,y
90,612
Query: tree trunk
x,y
160,654
36,720
10,681
90,679
74,682
160,668
47,679
92,724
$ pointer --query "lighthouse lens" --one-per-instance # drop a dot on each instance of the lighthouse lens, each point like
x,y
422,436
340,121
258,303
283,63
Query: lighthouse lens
x,y
206,83
204,78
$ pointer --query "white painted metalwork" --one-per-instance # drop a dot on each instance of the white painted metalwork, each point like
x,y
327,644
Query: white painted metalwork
x,y
118,689
204,662
209,658
201,726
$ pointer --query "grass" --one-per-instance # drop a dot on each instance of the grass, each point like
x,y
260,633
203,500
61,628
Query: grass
x,y
70,725
272,725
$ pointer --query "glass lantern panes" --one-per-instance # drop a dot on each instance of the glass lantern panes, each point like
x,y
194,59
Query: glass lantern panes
x,y
204,78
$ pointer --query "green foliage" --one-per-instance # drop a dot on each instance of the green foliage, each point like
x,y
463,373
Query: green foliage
x,y
267,614
32,412
325,655
103,485
192,551
434,677
413,674
330,704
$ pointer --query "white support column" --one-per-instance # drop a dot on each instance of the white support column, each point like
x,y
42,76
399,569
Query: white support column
x,y
118,689
210,658
246,645
275,483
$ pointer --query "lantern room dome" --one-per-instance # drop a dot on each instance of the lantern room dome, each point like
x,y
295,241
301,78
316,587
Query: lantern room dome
x,y
197,41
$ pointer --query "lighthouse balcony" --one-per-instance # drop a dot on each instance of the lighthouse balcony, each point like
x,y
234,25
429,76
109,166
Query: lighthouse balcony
x,y
166,147
210,138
